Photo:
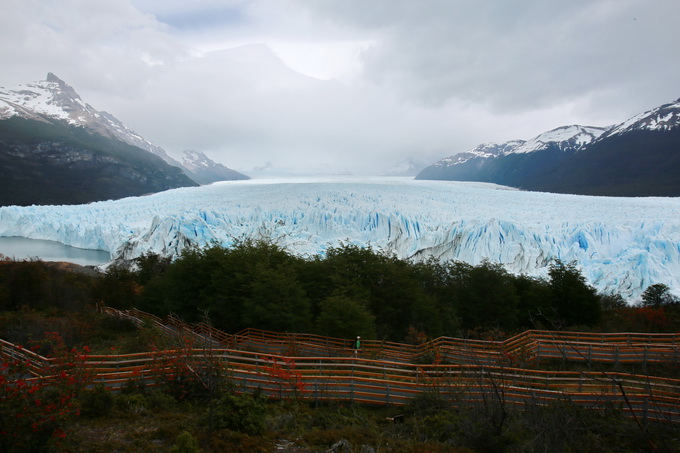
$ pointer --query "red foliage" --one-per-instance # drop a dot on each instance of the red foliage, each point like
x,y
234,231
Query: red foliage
x,y
648,318
176,370
283,371
33,409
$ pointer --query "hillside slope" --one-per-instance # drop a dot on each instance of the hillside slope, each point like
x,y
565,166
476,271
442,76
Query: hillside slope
x,y
44,162
639,157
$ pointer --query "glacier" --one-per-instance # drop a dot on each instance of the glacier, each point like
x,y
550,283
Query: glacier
x,y
621,245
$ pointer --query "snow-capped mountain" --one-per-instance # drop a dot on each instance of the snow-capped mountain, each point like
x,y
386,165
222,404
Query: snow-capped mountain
x,y
663,118
407,167
50,137
621,244
565,138
56,149
635,158
480,153
205,171
54,99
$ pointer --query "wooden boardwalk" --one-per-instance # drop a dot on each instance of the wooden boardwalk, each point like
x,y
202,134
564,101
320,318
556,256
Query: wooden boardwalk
x,y
318,368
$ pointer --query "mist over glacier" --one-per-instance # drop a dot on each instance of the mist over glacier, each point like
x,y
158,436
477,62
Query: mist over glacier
x,y
621,244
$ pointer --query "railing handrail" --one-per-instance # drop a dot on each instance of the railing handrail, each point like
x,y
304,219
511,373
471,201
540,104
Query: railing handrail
x,y
532,343
379,381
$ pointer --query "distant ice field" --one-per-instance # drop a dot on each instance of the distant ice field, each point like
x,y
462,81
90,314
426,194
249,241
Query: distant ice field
x,y
621,244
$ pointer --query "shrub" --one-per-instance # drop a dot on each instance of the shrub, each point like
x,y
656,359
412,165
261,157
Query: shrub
x,y
235,442
135,403
97,402
243,413
139,403
185,443
33,411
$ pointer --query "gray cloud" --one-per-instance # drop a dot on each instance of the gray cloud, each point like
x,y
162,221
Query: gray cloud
x,y
428,78
518,55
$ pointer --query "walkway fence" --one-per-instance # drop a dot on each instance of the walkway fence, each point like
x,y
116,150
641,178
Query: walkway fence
x,y
318,368
528,347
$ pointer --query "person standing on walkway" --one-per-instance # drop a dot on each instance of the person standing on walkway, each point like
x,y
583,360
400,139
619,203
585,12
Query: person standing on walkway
x,y
357,345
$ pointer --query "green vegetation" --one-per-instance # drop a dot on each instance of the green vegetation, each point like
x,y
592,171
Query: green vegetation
x,y
357,291
351,291
97,168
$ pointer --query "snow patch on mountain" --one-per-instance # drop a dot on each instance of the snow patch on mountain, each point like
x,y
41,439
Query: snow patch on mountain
x,y
662,118
621,244
406,167
565,138
483,151
53,98
196,160
204,170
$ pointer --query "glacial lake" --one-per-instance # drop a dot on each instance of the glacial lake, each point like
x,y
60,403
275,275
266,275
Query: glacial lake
x,y
21,248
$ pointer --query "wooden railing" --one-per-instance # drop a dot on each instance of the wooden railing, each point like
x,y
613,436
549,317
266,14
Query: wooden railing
x,y
528,347
35,363
383,382
462,371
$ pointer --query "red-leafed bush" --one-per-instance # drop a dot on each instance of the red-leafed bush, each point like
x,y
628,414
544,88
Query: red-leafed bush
x,y
34,409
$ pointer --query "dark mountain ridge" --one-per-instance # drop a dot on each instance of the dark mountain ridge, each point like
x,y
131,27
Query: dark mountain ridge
x,y
639,157
43,162
203,170
56,149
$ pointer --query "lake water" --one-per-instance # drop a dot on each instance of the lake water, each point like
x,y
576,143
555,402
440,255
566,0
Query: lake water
x,y
21,248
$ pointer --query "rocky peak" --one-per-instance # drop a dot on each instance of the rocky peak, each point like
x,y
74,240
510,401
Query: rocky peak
x,y
205,170
565,138
53,78
54,99
64,96
194,160
662,118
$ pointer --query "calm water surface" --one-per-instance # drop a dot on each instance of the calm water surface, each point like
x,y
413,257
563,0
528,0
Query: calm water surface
x,y
21,248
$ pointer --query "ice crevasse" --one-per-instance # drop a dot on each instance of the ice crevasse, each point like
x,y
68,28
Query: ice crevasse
x,y
621,244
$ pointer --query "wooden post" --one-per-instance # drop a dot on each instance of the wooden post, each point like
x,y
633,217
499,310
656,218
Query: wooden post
x,y
351,387
616,357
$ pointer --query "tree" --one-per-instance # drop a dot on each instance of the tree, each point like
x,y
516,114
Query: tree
x,y
389,285
612,301
573,301
276,301
151,265
657,295
534,297
491,299
343,317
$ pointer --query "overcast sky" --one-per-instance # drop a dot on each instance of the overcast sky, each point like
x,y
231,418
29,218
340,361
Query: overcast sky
x,y
347,85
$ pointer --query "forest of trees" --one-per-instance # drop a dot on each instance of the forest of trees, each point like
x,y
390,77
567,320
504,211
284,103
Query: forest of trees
x,y
350,291
360,291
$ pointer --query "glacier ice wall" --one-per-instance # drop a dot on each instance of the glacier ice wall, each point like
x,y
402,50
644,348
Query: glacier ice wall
x,y
621,244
